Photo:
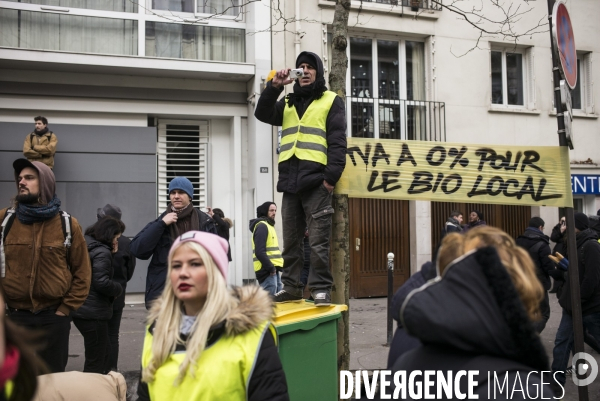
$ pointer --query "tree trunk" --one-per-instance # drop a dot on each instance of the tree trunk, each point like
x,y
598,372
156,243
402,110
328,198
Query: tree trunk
x,y
340,253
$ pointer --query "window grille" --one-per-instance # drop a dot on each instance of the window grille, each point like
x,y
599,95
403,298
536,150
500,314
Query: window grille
x,y
183,151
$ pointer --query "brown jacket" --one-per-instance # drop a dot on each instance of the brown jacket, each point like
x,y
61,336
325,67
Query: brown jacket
x,y
40,148
37,275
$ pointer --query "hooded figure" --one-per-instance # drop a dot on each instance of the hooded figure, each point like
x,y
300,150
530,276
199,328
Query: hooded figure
x,y
266,256
312,158
478,315
42,288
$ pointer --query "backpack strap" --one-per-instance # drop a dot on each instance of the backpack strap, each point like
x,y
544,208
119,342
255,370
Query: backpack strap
x,y
9,217
536,248
65,219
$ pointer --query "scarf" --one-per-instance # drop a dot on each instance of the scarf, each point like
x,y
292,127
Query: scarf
x,y
42,132
35,213
187,220
300,95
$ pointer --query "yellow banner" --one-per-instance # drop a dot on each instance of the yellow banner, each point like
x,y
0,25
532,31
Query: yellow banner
x,y
454,172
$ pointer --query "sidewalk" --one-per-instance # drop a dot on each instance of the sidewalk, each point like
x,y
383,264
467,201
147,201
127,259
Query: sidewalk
x,y
368,335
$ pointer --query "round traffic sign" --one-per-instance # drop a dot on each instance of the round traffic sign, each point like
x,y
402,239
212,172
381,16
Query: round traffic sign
x,y
564,43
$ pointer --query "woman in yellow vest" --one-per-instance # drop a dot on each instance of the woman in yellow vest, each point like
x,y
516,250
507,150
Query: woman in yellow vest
x,y
204,341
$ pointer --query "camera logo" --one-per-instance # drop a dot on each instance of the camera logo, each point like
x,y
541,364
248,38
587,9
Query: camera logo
x,y
585,369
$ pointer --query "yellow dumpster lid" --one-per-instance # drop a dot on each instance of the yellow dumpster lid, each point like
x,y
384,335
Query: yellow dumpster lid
x,y
294,312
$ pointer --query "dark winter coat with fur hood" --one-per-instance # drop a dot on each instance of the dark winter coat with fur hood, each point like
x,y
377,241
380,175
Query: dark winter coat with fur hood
x,y
471,318
253,308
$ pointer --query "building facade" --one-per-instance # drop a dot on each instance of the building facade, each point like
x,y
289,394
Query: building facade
x,y
138,92
417,71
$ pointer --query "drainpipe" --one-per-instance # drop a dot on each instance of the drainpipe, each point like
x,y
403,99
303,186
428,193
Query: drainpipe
x,y
297,41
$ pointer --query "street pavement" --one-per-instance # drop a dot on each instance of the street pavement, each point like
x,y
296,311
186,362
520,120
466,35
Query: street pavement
x,y
368,335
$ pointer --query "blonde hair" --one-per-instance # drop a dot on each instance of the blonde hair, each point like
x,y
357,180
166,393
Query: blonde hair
x,y
167,311
515,259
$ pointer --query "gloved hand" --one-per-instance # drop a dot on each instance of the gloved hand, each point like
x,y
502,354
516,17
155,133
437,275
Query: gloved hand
x,y
561,261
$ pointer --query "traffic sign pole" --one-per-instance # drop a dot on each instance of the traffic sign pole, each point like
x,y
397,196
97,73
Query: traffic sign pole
x,y
569,213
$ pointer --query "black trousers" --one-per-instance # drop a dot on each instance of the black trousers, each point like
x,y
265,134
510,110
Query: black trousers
x,y
114,325
310,209
55,331
96,343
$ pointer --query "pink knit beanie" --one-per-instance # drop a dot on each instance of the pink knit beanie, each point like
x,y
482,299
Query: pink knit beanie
x,y
216,246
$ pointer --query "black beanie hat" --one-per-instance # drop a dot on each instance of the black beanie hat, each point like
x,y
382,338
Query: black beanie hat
x,y
263,210
308,58
109,210
598,212
581,221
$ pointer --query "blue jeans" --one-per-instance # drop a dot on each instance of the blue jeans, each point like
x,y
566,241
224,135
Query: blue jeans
x,y
272,284
563,343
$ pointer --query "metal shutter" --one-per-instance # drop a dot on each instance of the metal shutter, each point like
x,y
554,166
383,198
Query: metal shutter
x,y
183,151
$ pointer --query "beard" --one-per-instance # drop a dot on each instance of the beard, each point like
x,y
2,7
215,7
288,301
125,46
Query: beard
x,y
27,198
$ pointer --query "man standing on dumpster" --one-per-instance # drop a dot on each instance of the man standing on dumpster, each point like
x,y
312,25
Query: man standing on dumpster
x,y
311,161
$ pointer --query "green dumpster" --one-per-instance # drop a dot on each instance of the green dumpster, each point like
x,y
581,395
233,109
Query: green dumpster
x,y
308,349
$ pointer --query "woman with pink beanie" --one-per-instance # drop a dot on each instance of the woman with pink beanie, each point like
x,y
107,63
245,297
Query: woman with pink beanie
x,y
205,341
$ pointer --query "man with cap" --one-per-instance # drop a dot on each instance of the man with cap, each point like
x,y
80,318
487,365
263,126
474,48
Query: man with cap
x,y
311,161
45,276
156,238
123,264
588,258
265,248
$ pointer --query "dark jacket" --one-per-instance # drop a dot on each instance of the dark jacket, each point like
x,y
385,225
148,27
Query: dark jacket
x,y
295,175
155,241
123,266
260,248
559,240
472,318
451,226
267,381
588,257
223,227
103,291
474,224
538,246
403,341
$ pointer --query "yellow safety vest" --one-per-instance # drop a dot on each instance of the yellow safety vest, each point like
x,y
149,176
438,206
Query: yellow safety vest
x,y
222,373
306,138
273,251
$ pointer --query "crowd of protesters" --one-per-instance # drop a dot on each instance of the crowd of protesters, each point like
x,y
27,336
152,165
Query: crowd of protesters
x,y
54,273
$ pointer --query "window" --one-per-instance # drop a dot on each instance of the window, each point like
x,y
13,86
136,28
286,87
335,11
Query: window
x,y
183,152
387,91
104,5
194,42
219,7
152,28
581,96
65,32
512,77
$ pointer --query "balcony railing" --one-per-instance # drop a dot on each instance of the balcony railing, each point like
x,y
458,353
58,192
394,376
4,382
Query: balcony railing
x,y
423,4
397,119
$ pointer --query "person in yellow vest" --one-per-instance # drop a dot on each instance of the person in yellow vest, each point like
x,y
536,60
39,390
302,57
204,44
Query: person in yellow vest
x,y
312,158
266,253
205,342
40,145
